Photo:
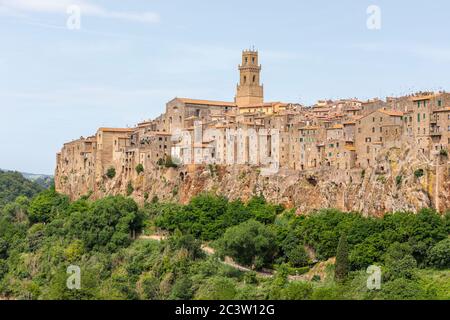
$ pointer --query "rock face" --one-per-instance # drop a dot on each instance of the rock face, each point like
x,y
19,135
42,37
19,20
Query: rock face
x,y
401,181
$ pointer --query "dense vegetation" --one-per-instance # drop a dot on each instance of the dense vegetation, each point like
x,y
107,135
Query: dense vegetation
x,y
41,236
13,185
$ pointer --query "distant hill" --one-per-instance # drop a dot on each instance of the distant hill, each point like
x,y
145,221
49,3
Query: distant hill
x,y
43,180
14,184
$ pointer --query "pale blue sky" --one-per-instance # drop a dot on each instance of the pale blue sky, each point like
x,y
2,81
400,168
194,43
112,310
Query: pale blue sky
x,y
131,57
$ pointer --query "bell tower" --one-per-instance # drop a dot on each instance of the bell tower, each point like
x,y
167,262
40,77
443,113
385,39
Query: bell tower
x,y
249,90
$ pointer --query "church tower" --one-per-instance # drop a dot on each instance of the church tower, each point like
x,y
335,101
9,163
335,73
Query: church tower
x,y
249,90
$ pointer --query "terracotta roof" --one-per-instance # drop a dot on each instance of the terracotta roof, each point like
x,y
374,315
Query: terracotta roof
x,y
443,110
426,97
392,113
116,129
207,102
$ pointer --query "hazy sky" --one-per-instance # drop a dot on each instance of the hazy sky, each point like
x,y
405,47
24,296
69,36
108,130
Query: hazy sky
x,y
131,57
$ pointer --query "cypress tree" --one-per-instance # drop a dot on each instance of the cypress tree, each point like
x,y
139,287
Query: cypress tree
x,y
342,265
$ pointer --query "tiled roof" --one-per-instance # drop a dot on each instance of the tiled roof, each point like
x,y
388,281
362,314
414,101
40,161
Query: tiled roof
x,y
447,109
207,102
116,129
392,113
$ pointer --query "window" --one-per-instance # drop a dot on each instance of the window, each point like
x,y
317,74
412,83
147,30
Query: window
x,y
424,116
253,60
418,117
418,104
381,130
448,128
254,79
373,130
245,79
439,103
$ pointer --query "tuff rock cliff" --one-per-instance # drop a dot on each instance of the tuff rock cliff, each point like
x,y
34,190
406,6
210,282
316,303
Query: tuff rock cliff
x,y
402,180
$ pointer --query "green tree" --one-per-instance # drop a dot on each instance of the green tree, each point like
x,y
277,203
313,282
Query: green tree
x,y
250,243
342,264
399,261
439,255
46,206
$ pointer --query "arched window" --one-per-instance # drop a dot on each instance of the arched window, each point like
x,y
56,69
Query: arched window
x,y
245,79
254,79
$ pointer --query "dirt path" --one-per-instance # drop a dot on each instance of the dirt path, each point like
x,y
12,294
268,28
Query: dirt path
x,y
319,269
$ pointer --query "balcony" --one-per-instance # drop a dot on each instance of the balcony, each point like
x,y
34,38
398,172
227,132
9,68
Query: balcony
x,y
435,133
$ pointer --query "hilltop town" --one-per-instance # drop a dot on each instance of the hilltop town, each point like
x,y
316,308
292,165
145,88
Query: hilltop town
x,y
373,156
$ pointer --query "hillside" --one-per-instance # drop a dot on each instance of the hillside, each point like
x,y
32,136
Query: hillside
x,y
41,238
14,184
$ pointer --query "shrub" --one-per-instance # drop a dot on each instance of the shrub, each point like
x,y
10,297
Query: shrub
x,y
139,168
130,189
217,288
297,291
402,289
399,261
166,162
443,153
111,173
439,255
419,173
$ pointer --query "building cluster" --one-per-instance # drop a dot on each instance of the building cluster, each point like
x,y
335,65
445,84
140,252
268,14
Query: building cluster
x,y
342,134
